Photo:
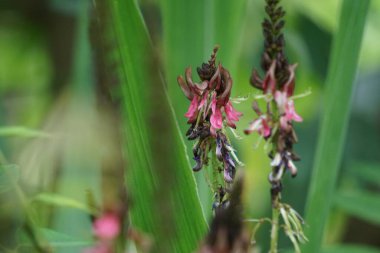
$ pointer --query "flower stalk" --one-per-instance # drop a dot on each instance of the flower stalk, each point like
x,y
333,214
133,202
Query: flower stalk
x,y
275,124
210,113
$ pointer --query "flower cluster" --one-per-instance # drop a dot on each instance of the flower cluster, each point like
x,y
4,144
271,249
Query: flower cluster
x,y
209,114
277,123
210,109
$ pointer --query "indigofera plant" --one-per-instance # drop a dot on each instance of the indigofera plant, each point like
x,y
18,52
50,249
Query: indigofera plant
x,y
275,125
209,114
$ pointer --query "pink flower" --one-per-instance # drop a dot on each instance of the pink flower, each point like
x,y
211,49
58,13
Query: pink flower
x,y
216,118
269,83
281,99
231,114
290,112
286,109
107,226
192,112
260,125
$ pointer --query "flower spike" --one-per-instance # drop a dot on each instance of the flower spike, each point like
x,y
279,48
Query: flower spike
x,y
210,113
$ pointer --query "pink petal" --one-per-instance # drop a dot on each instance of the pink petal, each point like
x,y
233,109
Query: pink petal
x,y
107,226
231,112
192,112
291,113
281,100
261,126
284,123
203,101
269,83
216,118
253,126
289,86
265,130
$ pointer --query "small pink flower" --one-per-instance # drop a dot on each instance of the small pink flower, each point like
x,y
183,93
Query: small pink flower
x,y
216,118
260,125
281,99
290,112
192,112
286,108
269,83
231,114
107,226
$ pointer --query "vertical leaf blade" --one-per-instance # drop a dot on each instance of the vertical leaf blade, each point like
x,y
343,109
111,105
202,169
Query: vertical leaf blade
x,y
165,203
339,89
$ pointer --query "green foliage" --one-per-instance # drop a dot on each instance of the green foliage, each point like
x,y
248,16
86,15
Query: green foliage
x,y
165,203
350,249
368,172
339,88
20,131
63,201
360,203
9,175
53,238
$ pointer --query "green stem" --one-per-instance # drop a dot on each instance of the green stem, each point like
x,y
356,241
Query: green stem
x,y
275,227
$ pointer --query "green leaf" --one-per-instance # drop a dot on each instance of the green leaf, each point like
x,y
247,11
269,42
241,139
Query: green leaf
x,y
54,239
9,174
366,171
350,249
360,203
338,93
347,248
62,201
20,131
165,203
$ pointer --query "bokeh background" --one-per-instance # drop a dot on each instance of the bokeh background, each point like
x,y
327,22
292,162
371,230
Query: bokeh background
x,y
60,121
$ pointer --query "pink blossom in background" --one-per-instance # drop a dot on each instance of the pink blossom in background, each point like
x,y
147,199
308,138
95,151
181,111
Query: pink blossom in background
x,y
107,226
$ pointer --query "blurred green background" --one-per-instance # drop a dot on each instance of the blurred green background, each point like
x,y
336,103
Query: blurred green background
x,y
51,80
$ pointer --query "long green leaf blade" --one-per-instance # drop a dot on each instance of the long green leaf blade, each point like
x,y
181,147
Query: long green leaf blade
x,y
363,204
350,249
54,238
339,88
165,203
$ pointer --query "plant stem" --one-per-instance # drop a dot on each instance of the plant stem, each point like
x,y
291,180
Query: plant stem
x,y
214,168
275,227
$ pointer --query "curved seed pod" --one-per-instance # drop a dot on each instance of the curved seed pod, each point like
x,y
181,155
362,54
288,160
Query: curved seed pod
x,y
289,86
190,82
224,97
215,77
185,88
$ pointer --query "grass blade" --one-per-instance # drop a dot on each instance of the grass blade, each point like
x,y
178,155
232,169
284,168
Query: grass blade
x,y
339,88
363,204
54,238
165,203
350,249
